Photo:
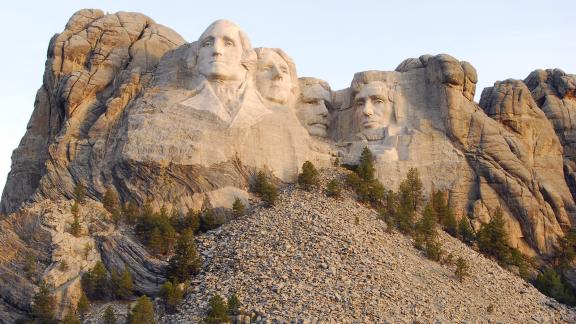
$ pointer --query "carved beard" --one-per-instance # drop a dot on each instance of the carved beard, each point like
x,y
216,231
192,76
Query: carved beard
x,y
374,134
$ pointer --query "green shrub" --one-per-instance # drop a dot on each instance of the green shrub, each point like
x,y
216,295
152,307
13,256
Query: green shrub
x,y
71,317
185,261
462,269
493,239
238,207
143,312
80,193
217,312
111,201
95,282
433,250
234,305
172,295
551,284
309,177
466,232
209,220
109,316
266,190
83,305
366,168
334,188
43,304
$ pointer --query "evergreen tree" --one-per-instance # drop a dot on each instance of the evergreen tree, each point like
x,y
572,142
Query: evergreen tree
x,y
493,239
259,182
433,250
111,201
143,312
95,282
353,181
451,224
193,221
238,207
125,284
80,193
462,269
131,212
185,261
71,317
366,168
30,265
83,305
334,189
234,305
309,176
217,311
465,230
566,252
172,295
427,224
75,227
415,186
155,241
269,194
551,284
209,220
109,316
43,304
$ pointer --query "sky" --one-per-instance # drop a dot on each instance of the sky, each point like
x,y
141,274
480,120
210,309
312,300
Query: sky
x,y
330,40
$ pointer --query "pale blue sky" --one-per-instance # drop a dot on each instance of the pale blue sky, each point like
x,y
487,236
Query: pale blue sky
x,y
327,39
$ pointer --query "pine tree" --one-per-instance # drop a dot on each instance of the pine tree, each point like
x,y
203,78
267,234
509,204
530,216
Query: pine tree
x,y
75,227
83,305
334,189
172,295
80,193
125,284
155,242
109,316
95,282
451,224
30,265
217,311
234,305
269,194
71,317
415,186
461,269
143,312
111,201
366,168
309,176
185,261
493,239
238,207
209,220
43,304
465,230
427,224
193,221
131,212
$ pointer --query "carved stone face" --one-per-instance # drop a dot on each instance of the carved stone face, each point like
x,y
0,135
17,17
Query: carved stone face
x,y
373,107
312,110
273,77
220,52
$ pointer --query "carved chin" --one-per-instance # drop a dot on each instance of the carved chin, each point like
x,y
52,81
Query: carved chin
x,y
317,130
280,97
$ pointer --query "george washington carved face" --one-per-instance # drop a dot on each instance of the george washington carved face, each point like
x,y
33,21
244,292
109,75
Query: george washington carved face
x,y
220,52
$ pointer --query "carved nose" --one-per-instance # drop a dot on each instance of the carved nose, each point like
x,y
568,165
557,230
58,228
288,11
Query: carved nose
x,y
368,110
276,75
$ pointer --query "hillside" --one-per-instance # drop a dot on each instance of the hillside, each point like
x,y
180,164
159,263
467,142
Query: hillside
x,y
306,259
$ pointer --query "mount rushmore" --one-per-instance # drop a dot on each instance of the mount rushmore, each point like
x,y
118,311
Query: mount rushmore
x,y
128,104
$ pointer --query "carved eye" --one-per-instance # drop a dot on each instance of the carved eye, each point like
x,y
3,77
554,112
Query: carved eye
x,y
207,43
228,43
378,101
284,70
359,102
267,68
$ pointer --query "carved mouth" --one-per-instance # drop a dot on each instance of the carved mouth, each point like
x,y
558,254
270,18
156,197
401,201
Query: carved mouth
x,y
370,124
319,125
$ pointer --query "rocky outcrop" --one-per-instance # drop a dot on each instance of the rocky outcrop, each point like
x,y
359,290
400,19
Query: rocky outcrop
x,y
95,67
119,251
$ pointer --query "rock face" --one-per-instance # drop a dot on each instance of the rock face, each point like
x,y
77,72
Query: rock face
x,y
127,104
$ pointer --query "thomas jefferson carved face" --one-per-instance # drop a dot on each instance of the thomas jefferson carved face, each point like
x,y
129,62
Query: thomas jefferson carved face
x,y
373,107
220,52
312,110
273,76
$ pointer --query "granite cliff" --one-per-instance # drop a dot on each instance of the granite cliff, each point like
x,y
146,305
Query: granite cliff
x,y
127,104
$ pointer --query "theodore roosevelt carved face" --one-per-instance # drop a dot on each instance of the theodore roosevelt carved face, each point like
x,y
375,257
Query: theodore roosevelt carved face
x,y
220,53
312,108
275,75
